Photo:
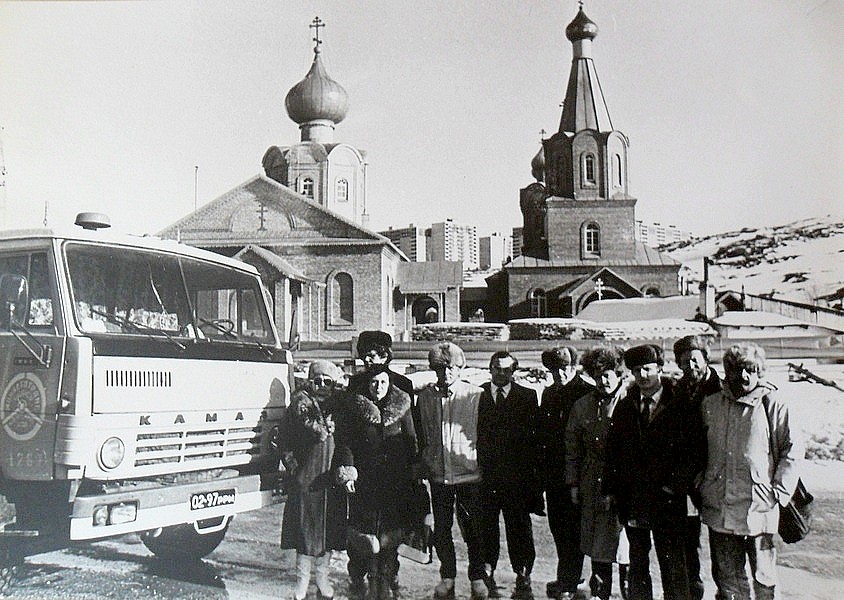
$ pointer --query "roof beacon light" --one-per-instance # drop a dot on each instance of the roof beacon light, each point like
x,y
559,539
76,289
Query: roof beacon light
x,y
92,221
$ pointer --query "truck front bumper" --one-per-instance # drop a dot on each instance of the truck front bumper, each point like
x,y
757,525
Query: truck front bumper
x,y
153,506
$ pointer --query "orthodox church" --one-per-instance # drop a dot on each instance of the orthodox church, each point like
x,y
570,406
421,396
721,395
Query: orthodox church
x,y
579,217
303,225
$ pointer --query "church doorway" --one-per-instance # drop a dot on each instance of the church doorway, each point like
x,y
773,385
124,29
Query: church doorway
x,y
425,310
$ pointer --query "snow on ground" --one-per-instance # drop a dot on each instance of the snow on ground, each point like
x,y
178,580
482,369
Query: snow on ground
x,y
799,261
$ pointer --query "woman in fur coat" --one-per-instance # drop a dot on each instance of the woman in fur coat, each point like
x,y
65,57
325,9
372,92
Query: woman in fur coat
x,y
315,512
377,437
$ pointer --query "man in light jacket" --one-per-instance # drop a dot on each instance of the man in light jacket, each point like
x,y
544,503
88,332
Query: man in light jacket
x,y
752,456
447,430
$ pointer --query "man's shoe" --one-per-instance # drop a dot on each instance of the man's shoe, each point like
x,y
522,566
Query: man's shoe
x,y
479,589
444,589
491,585
357,588
553,589
523,589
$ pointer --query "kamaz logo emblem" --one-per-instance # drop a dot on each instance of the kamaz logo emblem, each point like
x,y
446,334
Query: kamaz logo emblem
x,y
209,418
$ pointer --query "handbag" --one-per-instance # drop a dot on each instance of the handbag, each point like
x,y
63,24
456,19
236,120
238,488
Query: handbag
x,y
417,541
795,517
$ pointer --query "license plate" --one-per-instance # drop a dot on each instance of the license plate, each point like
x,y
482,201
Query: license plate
x,y
212,499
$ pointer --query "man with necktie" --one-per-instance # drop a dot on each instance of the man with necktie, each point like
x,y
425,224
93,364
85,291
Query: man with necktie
x,y
508,456
649,470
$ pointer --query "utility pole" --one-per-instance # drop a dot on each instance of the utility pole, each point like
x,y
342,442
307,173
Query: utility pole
x,y
195,185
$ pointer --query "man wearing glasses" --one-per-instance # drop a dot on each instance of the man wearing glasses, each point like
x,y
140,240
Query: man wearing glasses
x,y
447,434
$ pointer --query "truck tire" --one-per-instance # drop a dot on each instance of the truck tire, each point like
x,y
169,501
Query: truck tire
x,y
182,542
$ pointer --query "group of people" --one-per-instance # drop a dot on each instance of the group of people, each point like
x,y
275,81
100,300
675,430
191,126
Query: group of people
x,y
619,455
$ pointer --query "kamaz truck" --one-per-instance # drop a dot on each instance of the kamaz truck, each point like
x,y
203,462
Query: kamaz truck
x,y
142,389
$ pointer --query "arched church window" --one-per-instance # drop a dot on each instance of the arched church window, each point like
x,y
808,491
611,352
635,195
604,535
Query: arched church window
x,y
589,169
591,239
341,301
342,190
308,187
619,176
538,303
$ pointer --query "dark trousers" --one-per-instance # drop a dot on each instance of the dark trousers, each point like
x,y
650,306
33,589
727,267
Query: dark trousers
x,y
517,527
600,582
564,522
670,552
693,557
465,500
730,553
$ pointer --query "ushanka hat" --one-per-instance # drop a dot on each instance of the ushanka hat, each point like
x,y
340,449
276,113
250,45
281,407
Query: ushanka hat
x,y
643,355
559,358
369,340
690,343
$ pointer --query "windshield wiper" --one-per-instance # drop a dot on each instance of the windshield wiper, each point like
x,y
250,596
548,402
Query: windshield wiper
x,y
146,330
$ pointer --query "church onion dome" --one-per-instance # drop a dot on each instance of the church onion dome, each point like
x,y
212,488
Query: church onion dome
x,y
581,28
317,97
537,165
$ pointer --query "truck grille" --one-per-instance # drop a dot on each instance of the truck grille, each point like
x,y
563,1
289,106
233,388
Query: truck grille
x,y
133,378
187,445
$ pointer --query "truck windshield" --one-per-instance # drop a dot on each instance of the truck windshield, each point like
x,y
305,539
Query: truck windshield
x,y
126,291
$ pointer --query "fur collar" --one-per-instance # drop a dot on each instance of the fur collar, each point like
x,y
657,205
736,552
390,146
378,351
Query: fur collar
x,y
314,414
387,412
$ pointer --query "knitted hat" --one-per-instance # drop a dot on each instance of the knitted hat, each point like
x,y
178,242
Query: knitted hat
x,y
643,355
368,340
323,367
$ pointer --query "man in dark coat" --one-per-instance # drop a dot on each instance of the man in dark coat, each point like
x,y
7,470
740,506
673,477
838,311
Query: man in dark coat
x,y
699,380
508,456
648,474
563,514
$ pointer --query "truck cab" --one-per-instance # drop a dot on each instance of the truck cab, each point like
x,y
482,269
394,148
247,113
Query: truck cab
x,y
142,389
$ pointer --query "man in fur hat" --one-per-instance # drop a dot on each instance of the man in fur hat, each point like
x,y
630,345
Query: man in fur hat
x,y
563,514
648,473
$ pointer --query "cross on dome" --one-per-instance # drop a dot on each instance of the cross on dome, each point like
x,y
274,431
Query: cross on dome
x,y
315,25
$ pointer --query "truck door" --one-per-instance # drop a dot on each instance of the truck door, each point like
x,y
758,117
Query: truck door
x,y
29,387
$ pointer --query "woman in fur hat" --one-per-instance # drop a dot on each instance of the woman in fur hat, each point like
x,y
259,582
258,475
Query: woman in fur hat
x,y
377,437
314,515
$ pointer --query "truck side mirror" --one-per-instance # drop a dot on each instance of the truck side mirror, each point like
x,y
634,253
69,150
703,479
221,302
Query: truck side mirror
x,y
14,299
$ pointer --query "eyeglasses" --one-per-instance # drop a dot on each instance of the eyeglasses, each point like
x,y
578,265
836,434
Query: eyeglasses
x,y
325,381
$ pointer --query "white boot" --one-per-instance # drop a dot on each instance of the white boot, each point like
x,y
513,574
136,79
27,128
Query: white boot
x,y
323,563
303,575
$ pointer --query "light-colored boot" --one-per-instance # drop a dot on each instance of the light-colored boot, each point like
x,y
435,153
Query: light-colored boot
x,y
321,566
303,575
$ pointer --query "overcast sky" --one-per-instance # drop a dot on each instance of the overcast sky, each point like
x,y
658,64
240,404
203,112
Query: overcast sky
x,y
733,109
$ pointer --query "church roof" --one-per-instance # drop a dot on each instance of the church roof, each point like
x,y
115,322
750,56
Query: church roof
x,y
641,309
429,277
584,106
275,261
264,213
645,256
317,96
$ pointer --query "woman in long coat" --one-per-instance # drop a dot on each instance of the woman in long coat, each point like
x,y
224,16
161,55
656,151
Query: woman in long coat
x,y
378,438
315,512
586,436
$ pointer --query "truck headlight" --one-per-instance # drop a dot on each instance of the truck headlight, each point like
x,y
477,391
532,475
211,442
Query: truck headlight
x,y
111,453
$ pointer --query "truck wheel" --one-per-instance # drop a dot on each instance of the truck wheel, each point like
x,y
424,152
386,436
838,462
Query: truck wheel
x,y
182,542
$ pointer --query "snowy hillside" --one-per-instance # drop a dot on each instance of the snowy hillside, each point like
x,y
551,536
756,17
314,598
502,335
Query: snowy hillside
x,y
801,261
